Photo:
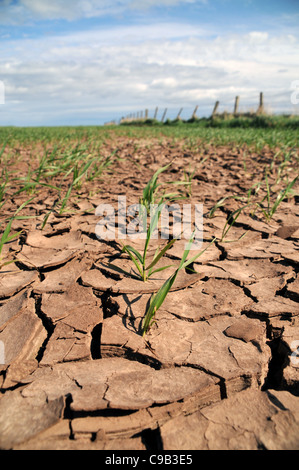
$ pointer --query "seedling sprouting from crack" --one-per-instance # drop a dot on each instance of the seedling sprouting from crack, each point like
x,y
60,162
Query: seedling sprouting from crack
x,y
231,220
148,203
78,174
146,269
158,298
151,193
270,209
6,237
187,183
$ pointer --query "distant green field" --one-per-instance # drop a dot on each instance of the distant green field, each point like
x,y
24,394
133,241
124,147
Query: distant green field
x,y
257,132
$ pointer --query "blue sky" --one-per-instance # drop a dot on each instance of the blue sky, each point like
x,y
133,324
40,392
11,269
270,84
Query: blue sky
x,y
86,62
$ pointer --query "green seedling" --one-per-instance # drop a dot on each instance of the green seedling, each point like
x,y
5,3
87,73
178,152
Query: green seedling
x,y
255,188
231,220
45,220
285,166
3,186
147,201
30,187
3,149
220,203
6,237
270,210
78,174
150,192
32,180
188,177
99,168
144,268
158,299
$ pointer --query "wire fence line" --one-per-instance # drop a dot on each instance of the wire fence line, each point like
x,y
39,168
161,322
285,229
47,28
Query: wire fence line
x,y
162,115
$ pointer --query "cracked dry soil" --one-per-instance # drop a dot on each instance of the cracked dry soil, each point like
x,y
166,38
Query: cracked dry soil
x,y
217,370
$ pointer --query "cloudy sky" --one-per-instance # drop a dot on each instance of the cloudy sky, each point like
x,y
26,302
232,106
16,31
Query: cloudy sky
x,y
86,62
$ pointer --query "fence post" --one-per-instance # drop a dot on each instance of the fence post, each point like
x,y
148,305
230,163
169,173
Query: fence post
x,y
178,116
194,112
236,108
215,108
146,113
164,115
156,112
261,106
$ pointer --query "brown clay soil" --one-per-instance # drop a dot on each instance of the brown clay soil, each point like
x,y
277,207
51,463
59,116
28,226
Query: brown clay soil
x,y
218,369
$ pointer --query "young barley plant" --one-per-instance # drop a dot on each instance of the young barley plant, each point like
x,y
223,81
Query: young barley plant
x,y
144,268
220,203
6,237
100,166
78,174
270,209
231,220
158,298
187,183
2,150
3,185
147,202
151,194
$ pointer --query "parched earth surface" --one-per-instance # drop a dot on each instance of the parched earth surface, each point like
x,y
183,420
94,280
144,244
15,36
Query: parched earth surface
x,y
219,368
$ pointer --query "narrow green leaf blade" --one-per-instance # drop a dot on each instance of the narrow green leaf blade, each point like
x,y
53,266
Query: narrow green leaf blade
x,y
157,301
162,253
195,257
160,269
135,261
128,249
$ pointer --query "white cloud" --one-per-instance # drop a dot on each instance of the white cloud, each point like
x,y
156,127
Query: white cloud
x,y
53,9
27,10
84,75
143,4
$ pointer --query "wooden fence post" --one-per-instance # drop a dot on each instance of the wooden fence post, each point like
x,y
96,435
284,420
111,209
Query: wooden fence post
x,y
156,112
261,106
236,108
215,108
178,116
164,115
194,112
